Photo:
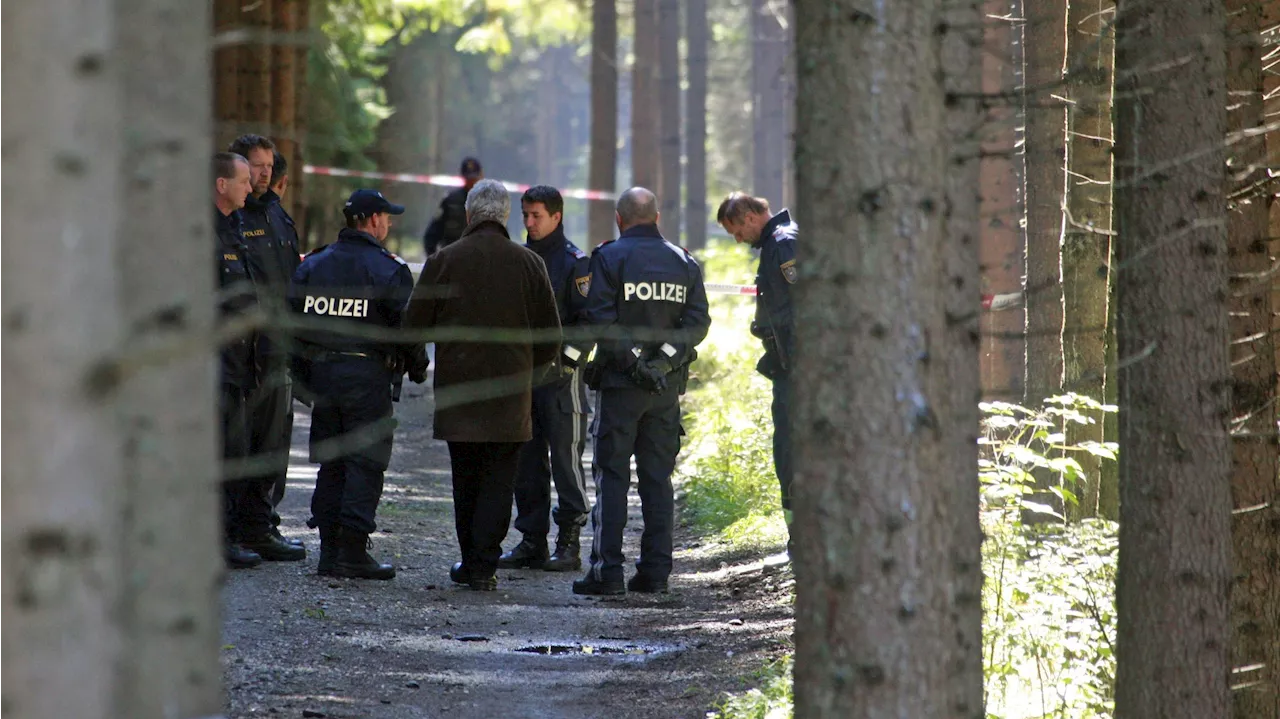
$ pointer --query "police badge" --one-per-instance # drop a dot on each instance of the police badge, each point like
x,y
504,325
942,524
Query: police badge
x,y
584,285
789,271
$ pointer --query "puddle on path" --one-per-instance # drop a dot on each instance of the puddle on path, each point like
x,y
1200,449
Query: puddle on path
x,y
575,649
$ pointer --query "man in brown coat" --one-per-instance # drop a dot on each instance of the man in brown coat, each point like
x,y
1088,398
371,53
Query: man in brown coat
x,y
485,284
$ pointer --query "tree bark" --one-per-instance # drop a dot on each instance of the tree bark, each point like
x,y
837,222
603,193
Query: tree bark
x,y
644,96
255,68
284,101
604,116
697,34
226,73
769,100
669,197
1174,570
1086,243
299,183
1256,519
1045,152
167,410
63,529
887,561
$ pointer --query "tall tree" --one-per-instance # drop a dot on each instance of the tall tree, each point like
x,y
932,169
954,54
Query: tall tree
x,y
63,531
644,95
1174,568
769,99
166,409
226,71
887,556
1086,240
1256,519
255,67
669,120
604,116
697,34
1046,168
284,101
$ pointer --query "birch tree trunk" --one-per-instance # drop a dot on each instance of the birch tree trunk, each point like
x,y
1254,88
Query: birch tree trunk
x,y
697,34
167,409
887,562
63,473
604,117
1174,570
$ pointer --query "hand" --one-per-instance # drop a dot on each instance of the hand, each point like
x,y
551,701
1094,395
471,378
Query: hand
x,y
418,375
646,374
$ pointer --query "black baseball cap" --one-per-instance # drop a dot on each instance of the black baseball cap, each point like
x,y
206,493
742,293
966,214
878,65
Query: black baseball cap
x,y
366,203
470,167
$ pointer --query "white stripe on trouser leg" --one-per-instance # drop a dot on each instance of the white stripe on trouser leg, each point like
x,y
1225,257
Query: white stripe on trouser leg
x,y
578,475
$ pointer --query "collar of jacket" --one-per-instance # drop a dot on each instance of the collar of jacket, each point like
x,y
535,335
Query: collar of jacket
x,y
491,225
349,234
782,218
646,230
549,244
231,220
260,203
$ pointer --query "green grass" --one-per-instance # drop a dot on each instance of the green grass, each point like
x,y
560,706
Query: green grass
x,y
771,700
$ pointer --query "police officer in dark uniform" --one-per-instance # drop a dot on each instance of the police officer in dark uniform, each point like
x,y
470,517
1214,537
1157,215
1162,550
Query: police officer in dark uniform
x,y
353,284
449,225
272,243
648,307
748,219
246,511
559,406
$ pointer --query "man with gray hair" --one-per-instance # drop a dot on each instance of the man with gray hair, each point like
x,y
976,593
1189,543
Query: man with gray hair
x,y
484,389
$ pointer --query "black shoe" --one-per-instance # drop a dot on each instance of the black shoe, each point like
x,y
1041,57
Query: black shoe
x,y
526,555
275,550
328,563
646,585
240,558
458,574
275,532
591,586
354,561
567,557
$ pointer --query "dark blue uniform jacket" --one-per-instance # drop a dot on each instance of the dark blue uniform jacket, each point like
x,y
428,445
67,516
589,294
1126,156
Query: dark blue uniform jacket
x,y
775,316
236,296
569,269
645,292
272,242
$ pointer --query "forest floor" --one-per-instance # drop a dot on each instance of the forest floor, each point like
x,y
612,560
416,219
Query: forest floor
x,y
299,645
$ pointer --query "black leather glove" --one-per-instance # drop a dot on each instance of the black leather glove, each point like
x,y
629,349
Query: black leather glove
x,y
650,375
759,331
418,375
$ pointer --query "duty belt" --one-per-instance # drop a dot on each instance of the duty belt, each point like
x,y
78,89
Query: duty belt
x,y
334,355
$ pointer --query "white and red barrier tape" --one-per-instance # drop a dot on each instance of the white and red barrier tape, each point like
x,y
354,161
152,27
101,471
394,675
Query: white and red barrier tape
x,y
445,181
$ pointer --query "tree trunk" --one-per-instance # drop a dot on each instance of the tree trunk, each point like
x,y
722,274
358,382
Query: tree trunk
x,y
644,96
1256,520
226,73
255,68
299,183
1174,570
63,548
669,199
604,117
769,100
1086,242
697,34
166,411
284,101
887,546
1045,152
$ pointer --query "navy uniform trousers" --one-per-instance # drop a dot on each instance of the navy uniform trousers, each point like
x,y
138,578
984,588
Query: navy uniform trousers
x,y
351,431
781,410
247,514
633,422
554,452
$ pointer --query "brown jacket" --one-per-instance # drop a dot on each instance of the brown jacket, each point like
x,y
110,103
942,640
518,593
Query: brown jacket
x,y
484,281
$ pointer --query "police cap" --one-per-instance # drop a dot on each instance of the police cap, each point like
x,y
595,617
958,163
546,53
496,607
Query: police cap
x,y
366,203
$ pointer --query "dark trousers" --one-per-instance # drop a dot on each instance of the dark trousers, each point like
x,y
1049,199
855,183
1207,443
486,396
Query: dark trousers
x,y
484,474
270,410
631,421
351,433
782,435
554,452
246,513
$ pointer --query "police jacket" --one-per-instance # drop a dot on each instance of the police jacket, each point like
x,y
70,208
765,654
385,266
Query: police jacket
x,y
775,276
272,243
236,296
569,269
352,293
448,226
645,293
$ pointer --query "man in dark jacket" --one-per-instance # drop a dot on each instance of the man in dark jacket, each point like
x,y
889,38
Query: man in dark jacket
x,y
246,510
272,244
559,406
483,389
447,227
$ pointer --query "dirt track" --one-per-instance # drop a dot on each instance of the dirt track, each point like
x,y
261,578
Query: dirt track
x,y
296,644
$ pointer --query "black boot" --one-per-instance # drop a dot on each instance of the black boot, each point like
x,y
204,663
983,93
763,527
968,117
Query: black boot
x,y
239,558
567,557
354,561
647,585
459,574
329,539
275,550
591,586
275,532
528,554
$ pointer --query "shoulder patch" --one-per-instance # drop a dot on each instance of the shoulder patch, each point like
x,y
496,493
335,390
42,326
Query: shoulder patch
x,y
789,272
573,249
584,284
317,250
789,231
